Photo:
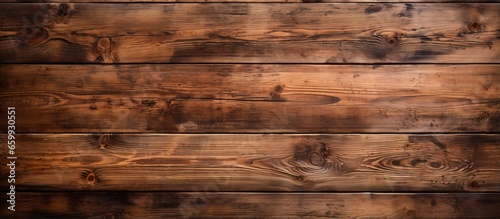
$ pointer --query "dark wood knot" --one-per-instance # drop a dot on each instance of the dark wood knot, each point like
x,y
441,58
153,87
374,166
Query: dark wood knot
x,y
33,35
102,46
312,1
109,216
58,13
390,38
90,177
104,141
316,159
474,26
311,154
103,50
276,92
474,185
410,213
392,41
300,178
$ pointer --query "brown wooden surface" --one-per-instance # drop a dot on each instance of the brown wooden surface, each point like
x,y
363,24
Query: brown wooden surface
x,y
254,1
252,98
254,205
408,103
250,33
388,163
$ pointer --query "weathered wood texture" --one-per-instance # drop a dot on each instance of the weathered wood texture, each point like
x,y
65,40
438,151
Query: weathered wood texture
x,y
254,205
256,1
252,98
250,33
75,162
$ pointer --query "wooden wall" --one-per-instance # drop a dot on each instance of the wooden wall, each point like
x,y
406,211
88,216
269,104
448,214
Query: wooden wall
x,y
265,108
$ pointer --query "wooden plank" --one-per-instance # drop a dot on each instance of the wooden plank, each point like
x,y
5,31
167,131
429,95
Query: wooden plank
x,y
255,162
250,33
253,1
252,98
253,205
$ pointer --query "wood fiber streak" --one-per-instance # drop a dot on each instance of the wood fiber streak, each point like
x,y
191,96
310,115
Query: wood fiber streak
x,y
254,205
143,162
250,33
252,98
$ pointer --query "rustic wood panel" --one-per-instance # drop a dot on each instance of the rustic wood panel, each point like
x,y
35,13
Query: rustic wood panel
x,y
253,205
250,33
252,98
253,1
49,162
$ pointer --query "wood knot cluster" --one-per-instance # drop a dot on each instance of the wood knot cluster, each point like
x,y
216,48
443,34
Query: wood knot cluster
x,y
35,29
59,13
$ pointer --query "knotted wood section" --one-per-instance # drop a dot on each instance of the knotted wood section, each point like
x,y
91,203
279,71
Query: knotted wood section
x,y
253,98
255,162
250,33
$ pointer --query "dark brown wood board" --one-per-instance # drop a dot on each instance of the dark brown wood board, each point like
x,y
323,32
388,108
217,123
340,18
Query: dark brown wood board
x,y
251,1
250,33
139,162
253,98
255,205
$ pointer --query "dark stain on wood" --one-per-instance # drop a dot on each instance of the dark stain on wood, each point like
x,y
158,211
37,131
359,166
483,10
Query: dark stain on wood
x,y
373,9
423,54
407,12
427,138
275,93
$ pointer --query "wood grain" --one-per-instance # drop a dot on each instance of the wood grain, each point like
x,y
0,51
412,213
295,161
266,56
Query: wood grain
x,y
254,205
252,1
250,33
252,98
143,162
